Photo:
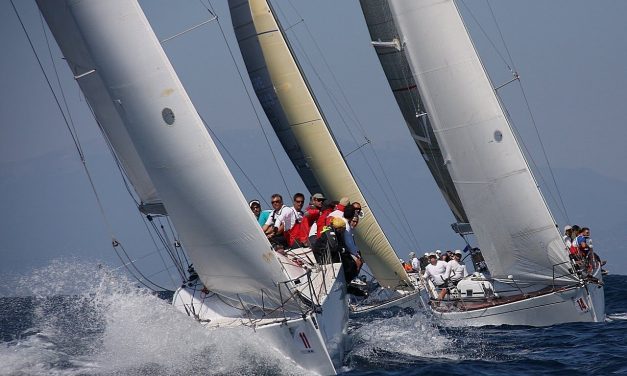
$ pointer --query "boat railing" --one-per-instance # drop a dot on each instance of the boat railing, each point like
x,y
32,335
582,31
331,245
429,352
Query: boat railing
x,y
572,271
311,299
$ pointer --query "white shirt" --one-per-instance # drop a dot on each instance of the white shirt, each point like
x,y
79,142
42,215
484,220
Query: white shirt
x,y
415,263
436,272
290,217
456,270
337,213
568,241
276,217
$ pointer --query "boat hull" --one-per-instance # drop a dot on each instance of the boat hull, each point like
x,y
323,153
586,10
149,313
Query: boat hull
x,y
391,299
409,299
314,340
576,304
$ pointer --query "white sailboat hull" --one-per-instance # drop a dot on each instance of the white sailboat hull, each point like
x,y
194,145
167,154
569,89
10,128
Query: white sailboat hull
x,y
409,299
314,340
576,304
385,299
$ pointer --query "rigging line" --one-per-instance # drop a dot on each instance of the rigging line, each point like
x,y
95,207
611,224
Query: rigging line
x,y
485,34
565,212
533,162
179,248
56,72
165,265
176,243
120,167
67,124
174,259
546,157
250,100
335,103
355,119
512,69
74,138
136,270
175,235
498,28
124,178
386,215
166,240
235,161
176,262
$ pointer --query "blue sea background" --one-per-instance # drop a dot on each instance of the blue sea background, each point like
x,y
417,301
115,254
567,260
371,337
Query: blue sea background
x,y
69,319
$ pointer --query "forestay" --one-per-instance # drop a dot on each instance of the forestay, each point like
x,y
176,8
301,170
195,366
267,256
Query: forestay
x,y
302,129
142,93
510,218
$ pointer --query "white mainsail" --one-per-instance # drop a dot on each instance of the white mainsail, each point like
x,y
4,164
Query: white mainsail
x,y
396,68
512,223
140,102
78,57
302,129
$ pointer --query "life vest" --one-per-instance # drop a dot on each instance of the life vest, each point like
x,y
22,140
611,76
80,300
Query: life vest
x,y
299,231
407,267
321,222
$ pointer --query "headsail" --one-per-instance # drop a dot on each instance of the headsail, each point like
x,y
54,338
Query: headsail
x,y
302,129
396,67
142,93
509,216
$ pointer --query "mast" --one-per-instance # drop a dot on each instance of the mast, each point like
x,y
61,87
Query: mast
x,y
508,214
124,72
300,125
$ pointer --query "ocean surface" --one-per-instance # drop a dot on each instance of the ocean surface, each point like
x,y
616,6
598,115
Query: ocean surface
x,y
77,321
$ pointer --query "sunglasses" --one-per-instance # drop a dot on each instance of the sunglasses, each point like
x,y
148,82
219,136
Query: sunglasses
x,y
276,202
299,201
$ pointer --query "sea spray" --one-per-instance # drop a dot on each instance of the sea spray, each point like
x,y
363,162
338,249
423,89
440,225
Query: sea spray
x,y
89,319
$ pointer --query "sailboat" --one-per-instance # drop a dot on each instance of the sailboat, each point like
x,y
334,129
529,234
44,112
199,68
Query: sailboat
x,y
303,131
168,155
455,116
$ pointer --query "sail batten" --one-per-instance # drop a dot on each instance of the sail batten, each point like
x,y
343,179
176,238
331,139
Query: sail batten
x,y
301,127
145,99
513,225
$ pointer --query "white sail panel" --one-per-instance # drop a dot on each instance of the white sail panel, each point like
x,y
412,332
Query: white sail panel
x,y
513,225
398,73
78,58
216,227
268,57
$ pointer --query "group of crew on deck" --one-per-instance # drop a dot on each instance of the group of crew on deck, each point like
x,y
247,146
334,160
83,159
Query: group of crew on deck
x,y
445,270
325,226
579,244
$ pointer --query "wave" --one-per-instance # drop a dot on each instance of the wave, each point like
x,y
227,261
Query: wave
x,y
109,326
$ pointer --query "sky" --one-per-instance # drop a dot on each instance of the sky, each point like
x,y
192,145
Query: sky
x,y
570,55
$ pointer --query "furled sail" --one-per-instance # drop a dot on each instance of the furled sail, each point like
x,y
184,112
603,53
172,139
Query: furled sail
x,y
302,129
142,93
512,223
396,67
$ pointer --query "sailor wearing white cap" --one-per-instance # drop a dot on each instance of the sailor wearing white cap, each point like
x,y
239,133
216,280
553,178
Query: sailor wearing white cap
x,y
435,271
568,236
455,269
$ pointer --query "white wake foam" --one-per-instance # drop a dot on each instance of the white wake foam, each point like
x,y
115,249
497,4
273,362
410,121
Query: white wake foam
x,y
110,326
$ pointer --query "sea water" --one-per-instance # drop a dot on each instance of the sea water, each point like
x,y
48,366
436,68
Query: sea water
x,y
74,319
